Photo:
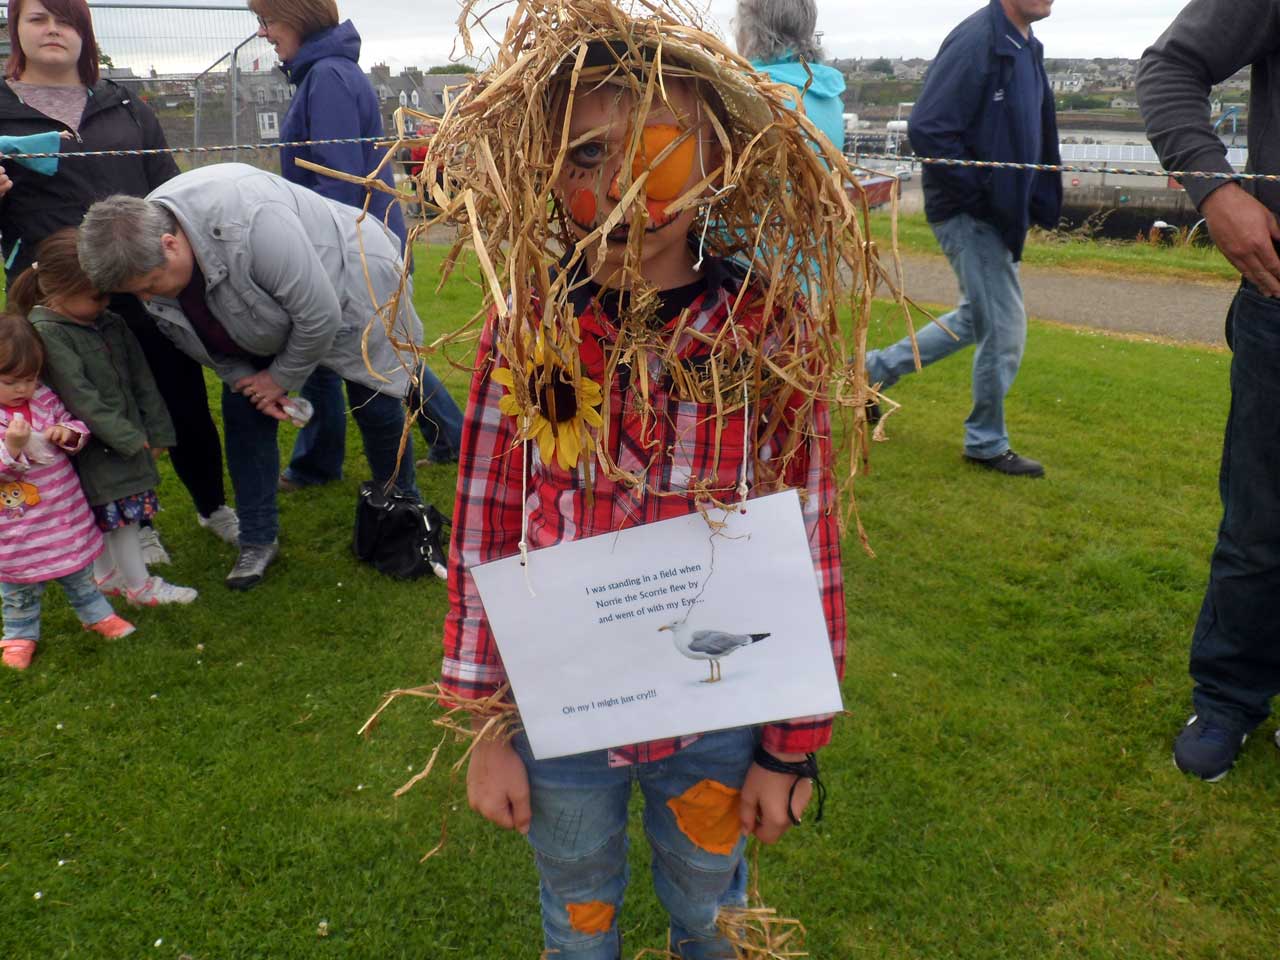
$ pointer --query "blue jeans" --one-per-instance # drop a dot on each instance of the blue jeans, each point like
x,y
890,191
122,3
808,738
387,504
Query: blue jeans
x,y
439,419
1235,650
579,838
321,445
253,458
990,315
21,603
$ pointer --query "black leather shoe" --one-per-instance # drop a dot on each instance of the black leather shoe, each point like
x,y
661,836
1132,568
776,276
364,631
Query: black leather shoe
x,y
1010,464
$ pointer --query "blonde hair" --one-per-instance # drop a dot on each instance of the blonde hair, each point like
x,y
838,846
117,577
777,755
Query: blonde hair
x,y
305,16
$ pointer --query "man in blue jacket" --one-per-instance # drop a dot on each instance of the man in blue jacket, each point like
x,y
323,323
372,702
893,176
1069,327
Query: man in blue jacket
x,y
986,98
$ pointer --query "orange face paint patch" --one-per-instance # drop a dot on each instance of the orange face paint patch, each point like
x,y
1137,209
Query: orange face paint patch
x,y
707,813
583,206
666,180
591,918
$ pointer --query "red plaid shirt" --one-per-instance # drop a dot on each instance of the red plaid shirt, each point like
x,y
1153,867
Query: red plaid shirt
x,y
673,444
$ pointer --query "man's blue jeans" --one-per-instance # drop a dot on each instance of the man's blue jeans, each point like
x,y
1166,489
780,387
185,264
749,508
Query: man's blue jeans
x,y
579,838
1235,651
253,458
321,446
21,603
990,315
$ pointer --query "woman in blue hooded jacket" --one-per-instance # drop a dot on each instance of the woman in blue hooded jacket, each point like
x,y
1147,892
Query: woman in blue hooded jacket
x,y
779,37
334,100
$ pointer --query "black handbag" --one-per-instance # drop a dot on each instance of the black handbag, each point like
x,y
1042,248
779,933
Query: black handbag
x,y
402,537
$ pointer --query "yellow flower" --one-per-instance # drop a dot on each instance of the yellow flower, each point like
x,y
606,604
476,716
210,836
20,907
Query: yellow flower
x,y
554,410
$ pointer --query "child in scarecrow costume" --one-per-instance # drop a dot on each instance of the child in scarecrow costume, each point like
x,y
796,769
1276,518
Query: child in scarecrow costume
x,y
654,210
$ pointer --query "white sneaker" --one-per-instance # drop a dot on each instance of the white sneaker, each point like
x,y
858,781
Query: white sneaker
x,y
112,585
223,523
156,592
153,550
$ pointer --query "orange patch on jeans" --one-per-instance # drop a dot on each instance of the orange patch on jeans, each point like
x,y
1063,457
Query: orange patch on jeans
x,y
707,813
593,917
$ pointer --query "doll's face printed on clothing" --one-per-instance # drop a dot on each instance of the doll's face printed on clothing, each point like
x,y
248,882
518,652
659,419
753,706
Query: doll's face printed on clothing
x,y
590,186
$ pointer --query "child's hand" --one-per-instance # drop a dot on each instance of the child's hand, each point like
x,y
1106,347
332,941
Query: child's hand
x,y
498,786
763,804
18,434
62,436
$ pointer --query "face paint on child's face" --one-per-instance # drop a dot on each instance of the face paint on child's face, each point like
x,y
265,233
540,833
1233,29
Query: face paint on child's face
x,y
590,184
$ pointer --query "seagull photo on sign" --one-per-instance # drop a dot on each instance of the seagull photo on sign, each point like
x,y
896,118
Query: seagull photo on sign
x,y
709,645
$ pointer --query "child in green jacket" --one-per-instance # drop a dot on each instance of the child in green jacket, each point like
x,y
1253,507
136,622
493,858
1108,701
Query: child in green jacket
x,y
96,366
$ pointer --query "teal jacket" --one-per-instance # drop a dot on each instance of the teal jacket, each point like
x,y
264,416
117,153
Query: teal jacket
x,y
823,101
100,375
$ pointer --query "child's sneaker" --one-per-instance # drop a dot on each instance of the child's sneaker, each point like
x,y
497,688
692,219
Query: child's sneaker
x,y
113,627
112,585
222,523
156,592
17,653
153,550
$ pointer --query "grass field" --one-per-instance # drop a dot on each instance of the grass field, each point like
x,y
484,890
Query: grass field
x,y
1081,254
1002,786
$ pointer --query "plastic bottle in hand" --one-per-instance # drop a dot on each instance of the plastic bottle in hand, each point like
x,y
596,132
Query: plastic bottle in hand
x,y
298,410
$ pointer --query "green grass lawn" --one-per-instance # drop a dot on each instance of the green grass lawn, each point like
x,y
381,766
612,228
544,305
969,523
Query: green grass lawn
x,y
1073,252
1002,786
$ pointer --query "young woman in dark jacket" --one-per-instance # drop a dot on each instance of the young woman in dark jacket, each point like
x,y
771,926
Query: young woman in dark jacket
x,y
52,83
335,100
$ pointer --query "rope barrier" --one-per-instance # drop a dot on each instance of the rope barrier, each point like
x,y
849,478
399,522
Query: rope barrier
x,y
937,161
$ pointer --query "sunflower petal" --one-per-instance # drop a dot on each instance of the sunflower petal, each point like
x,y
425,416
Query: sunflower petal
x,y
504,376
509,405
545,435
568,445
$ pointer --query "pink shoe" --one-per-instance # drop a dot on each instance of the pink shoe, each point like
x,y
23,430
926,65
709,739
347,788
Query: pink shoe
x,y
18,653
113,627
155,592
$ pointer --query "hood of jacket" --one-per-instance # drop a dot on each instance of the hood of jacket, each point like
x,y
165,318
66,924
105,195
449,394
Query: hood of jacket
x,y
340,41
828,82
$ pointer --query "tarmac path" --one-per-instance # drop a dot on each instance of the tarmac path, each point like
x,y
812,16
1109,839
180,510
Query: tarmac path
x,y
1189,311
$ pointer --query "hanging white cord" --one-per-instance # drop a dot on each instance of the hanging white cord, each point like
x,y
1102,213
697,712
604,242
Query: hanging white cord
x,y
524,510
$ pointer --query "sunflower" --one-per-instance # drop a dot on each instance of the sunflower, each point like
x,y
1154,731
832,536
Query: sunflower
x,y
552,406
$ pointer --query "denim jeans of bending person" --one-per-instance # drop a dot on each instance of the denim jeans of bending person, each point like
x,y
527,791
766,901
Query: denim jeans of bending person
x,y
579,837
1235,650
253,457
321,445
21,603
990,315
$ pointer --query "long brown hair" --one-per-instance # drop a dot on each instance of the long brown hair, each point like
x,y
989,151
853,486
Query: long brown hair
x,y
54,273
74,12
21,349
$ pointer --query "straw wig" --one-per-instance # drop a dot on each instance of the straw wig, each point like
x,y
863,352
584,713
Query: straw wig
x,y
780,200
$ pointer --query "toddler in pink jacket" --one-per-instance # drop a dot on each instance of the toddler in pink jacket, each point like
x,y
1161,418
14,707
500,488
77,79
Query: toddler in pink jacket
x,y
47,531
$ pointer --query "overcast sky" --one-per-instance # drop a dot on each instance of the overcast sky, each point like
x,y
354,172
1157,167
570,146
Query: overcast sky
x,y
422,32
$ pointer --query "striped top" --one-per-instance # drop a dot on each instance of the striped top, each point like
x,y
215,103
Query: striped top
x,y
46,527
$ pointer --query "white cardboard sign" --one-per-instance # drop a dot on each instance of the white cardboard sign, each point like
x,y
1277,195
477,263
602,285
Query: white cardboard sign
x,y
589,659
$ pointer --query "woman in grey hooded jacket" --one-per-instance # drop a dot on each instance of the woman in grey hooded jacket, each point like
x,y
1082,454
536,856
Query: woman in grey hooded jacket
x,y
262,281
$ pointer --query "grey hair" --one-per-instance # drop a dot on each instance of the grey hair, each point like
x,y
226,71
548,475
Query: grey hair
x,y
121,238
772,30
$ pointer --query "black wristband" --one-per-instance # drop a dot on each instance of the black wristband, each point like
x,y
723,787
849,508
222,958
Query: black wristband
x,y
806,768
